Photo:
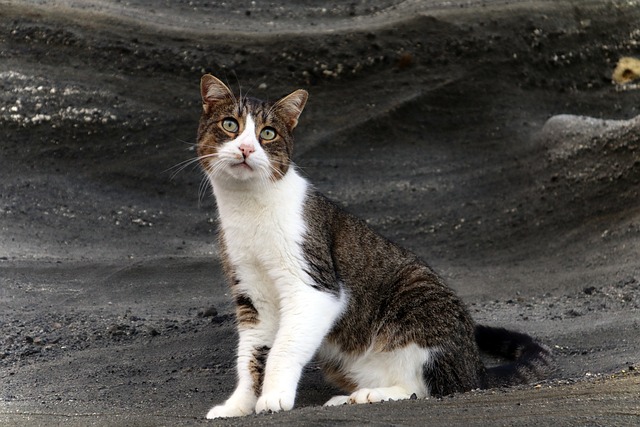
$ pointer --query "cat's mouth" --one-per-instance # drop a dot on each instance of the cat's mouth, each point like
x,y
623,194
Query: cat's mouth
x,y
242,165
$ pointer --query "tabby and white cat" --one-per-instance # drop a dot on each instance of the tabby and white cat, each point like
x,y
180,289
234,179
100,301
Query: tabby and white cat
x,y
310,279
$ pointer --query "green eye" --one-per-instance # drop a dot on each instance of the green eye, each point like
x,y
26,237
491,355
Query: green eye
x,y
268,134
230,125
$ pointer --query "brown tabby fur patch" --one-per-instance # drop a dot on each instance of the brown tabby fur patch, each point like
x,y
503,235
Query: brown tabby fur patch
x,y
246,313
334,374
256,368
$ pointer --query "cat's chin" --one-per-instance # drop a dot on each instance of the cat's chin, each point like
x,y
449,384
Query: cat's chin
x,y
241,172
243,165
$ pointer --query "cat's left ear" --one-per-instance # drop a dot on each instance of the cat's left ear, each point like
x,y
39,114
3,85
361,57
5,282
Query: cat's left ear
x,y
291,106
213,90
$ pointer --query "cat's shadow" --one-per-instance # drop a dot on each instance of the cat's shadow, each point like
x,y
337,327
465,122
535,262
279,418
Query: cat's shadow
x,y
314,389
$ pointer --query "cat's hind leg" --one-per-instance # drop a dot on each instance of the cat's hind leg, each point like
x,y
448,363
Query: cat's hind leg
x,y
377,376
337,401
372,395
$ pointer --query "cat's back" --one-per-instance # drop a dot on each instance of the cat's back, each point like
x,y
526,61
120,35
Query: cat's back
x,y
355,250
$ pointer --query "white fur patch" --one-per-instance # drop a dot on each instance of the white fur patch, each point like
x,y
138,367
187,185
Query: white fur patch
x,y
381,376
264,229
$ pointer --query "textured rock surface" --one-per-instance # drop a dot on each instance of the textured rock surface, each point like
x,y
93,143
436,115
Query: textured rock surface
x,y
485,136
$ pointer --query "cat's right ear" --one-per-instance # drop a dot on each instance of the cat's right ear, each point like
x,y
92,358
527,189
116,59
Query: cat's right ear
x,y
213,91
291,106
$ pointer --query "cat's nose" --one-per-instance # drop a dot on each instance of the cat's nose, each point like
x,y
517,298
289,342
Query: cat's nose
x,y
247,149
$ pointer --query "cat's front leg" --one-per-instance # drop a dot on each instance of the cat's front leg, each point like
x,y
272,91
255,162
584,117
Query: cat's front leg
x,y
256,331
250,368
306,316
239,404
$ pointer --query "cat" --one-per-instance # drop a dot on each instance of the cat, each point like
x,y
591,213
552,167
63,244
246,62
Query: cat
x,y
311,280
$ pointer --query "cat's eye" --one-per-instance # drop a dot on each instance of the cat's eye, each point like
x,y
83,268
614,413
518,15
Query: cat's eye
x,y
230,125
267,134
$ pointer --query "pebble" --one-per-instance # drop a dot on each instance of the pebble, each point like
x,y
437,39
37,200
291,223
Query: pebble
x,y
210,312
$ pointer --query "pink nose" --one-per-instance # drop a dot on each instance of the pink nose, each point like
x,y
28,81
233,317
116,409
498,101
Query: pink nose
x,y
247,149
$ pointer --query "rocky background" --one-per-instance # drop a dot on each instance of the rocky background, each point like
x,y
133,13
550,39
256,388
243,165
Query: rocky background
x,y
487,136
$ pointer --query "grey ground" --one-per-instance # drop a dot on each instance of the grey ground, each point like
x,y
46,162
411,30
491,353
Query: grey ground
x,y
484,135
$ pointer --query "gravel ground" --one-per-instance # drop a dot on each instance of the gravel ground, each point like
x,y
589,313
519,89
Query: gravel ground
x,y
486,136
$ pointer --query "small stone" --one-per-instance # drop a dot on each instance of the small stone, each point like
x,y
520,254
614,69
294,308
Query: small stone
x,y
210,312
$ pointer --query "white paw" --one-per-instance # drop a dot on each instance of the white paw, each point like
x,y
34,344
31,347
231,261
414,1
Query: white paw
x,y
367,395
337,401
275,402
230,409
370,395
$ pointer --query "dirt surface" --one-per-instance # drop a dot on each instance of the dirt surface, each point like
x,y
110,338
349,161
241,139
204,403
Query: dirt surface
x,y
484,135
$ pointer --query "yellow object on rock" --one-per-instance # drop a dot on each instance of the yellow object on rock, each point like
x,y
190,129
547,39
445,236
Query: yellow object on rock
x,y
628,69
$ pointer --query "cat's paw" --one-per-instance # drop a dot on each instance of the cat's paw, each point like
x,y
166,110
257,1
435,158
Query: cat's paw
x,y
275,402
367,395
337,401
373,395
370,395
229,409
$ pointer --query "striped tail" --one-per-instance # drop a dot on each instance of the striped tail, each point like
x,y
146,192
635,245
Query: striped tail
x,y
530,360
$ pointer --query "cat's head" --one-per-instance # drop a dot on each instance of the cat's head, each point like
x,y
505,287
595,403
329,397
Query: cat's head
x,y
245,139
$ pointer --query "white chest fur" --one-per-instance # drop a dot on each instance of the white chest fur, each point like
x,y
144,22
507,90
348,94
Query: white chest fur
x,y
264,229
263,224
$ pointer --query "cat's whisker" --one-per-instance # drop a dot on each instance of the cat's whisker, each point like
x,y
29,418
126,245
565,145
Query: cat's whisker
x,y
216,168
186,163
266,170
213,169
202,189
235,100
275,171
278,162
192,144
176,169
246,95
239,84
270,110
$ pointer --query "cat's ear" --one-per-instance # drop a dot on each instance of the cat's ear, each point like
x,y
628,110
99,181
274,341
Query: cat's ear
x,y
291,106
212,91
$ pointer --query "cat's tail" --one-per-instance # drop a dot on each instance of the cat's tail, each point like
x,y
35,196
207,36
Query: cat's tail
x,y
530,360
